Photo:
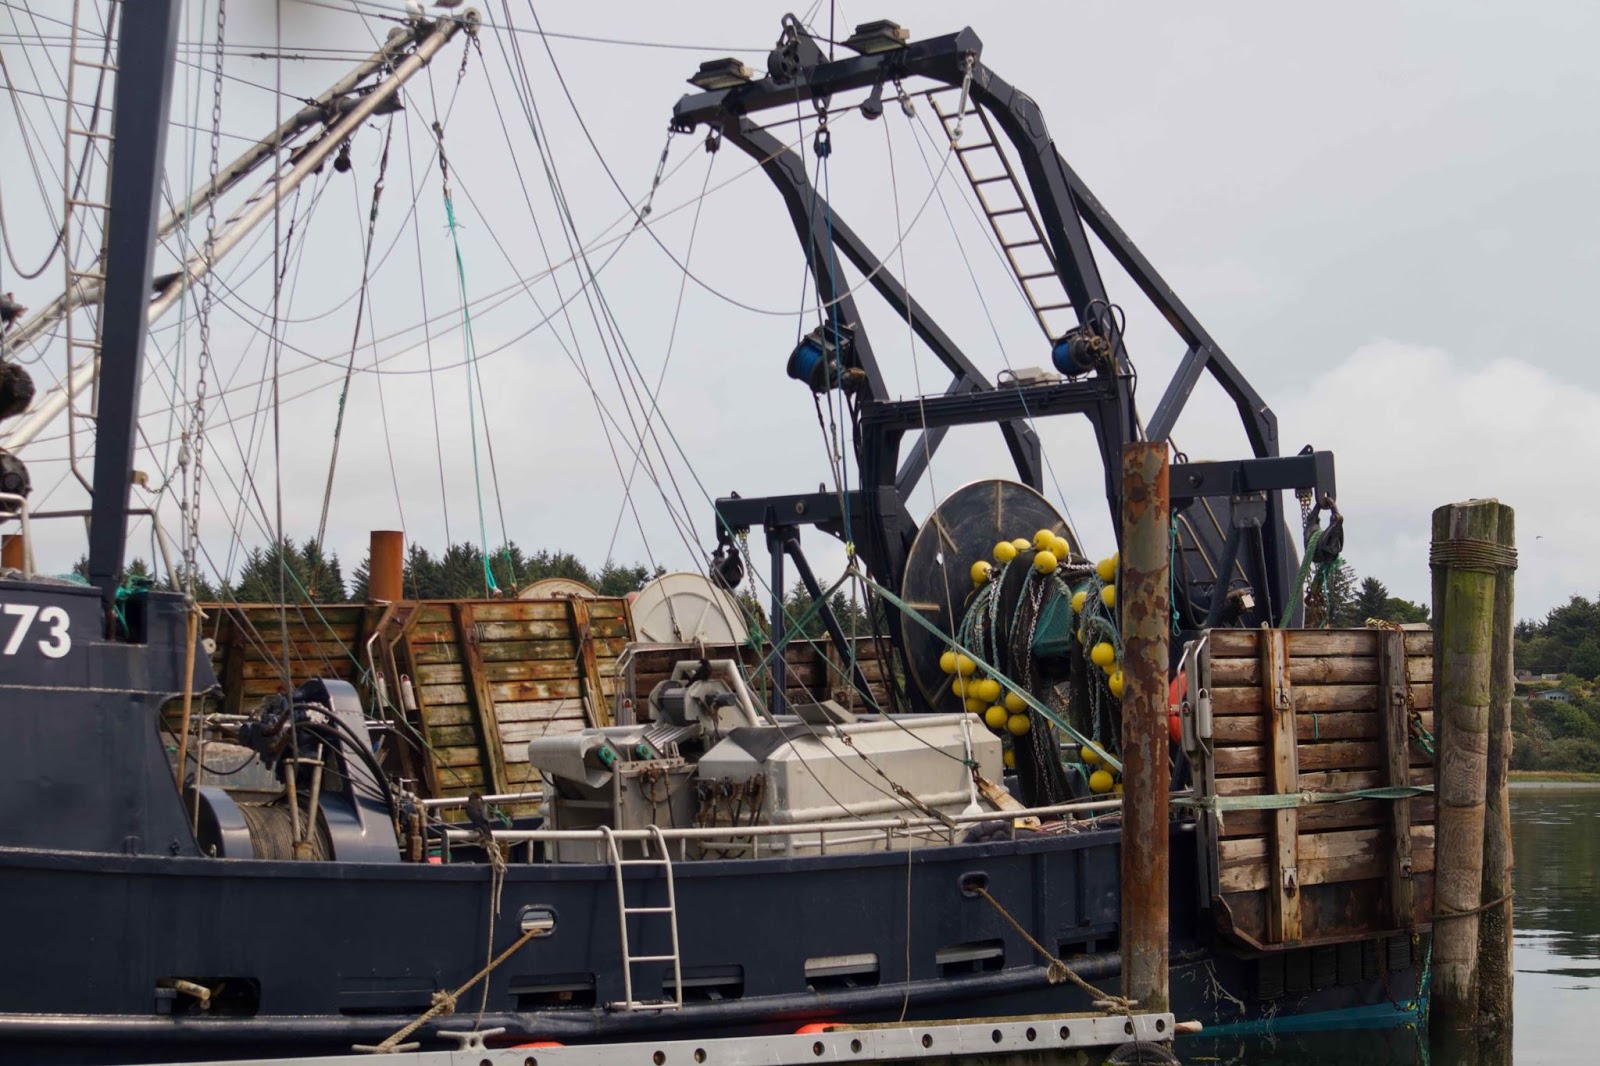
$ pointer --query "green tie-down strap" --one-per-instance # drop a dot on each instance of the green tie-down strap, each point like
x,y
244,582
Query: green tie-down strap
x,y
1281,801
1011,686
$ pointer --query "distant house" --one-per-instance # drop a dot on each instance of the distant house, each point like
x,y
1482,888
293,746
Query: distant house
x,y
1554,695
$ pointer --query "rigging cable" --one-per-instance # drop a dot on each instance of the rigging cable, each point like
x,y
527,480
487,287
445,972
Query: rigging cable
x,y
593,296
672,332
466,331
355,337
422,290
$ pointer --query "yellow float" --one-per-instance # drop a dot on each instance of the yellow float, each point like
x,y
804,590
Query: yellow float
x,y
1106,569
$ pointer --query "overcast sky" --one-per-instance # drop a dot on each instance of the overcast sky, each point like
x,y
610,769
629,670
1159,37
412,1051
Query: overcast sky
x,y
1384,213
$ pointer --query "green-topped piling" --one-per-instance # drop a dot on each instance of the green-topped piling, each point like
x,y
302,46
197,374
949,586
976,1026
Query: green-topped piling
x,y
1471,559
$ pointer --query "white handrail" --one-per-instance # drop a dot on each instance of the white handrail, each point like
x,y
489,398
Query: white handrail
x,y
716,832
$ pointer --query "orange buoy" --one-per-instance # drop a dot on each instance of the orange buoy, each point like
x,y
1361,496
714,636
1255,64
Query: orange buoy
x,y
816,1027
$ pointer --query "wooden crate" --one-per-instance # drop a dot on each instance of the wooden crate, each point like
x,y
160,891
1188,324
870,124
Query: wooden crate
x,y
1323,712
488,675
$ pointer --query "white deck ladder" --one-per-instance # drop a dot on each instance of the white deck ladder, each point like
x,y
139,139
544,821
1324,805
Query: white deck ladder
x,y
84,216
629,1001
1012,218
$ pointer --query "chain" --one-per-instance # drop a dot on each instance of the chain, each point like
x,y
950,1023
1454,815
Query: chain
x,y
196,436
655,183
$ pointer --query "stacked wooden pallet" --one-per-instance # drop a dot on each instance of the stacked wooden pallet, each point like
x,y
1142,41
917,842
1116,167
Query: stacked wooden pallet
x,y
1320,712
253,641
486,675
491,675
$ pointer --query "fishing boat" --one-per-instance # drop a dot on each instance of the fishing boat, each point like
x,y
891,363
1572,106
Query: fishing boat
x,y
702,829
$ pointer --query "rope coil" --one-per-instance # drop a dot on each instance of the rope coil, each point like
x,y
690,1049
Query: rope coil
x,y
1469,553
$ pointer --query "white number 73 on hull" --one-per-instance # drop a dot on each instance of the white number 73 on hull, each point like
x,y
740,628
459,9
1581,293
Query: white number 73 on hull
x,y
54,644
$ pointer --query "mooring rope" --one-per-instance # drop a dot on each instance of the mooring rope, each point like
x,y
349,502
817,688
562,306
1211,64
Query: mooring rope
x,y
1057,971
445,1002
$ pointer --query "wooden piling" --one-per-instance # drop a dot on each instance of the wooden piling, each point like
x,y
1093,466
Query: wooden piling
x,y
1465,539
13,552
1494,927
1143,599
386,566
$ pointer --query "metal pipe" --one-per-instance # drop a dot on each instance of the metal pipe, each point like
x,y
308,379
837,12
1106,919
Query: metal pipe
x,y
778,665
257,208
400,38
846,650
461,801
1143,600
387,567
88,292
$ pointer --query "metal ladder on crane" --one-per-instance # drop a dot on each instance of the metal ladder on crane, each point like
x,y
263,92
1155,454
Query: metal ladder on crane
x,y
82,140
624,912
1011,217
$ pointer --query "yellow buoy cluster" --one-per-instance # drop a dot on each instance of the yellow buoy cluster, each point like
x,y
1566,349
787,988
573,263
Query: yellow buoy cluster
x,y
1003,712
1049,551
1102,653
1101,778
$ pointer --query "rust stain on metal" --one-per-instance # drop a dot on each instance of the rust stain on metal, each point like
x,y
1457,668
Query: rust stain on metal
x,y
1146,613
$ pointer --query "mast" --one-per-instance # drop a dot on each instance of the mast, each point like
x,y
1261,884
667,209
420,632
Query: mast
x,y
432,35
146,52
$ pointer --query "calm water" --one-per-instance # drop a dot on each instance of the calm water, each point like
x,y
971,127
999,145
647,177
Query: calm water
x,y
1556,832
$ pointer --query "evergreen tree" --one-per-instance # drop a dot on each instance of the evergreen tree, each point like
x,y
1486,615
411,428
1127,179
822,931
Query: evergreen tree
x,y
324,581
615,579
1585,661
852,618
1342,598
302,574
545,564
1549,647
1371,600
1399,610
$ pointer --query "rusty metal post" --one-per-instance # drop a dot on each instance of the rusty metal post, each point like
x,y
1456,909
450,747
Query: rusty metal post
x,y
13,552
1146,621
1465,537
386,566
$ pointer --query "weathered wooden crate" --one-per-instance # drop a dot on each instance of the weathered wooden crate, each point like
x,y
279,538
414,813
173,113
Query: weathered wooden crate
x,y
814,672
487,675
1318,712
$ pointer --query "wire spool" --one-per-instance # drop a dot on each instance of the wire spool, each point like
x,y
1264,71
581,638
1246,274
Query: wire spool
x,y
937,581
685,608
272,831
558,588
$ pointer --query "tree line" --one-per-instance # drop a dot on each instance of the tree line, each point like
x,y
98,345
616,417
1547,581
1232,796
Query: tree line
x,y
306,574
1352,600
